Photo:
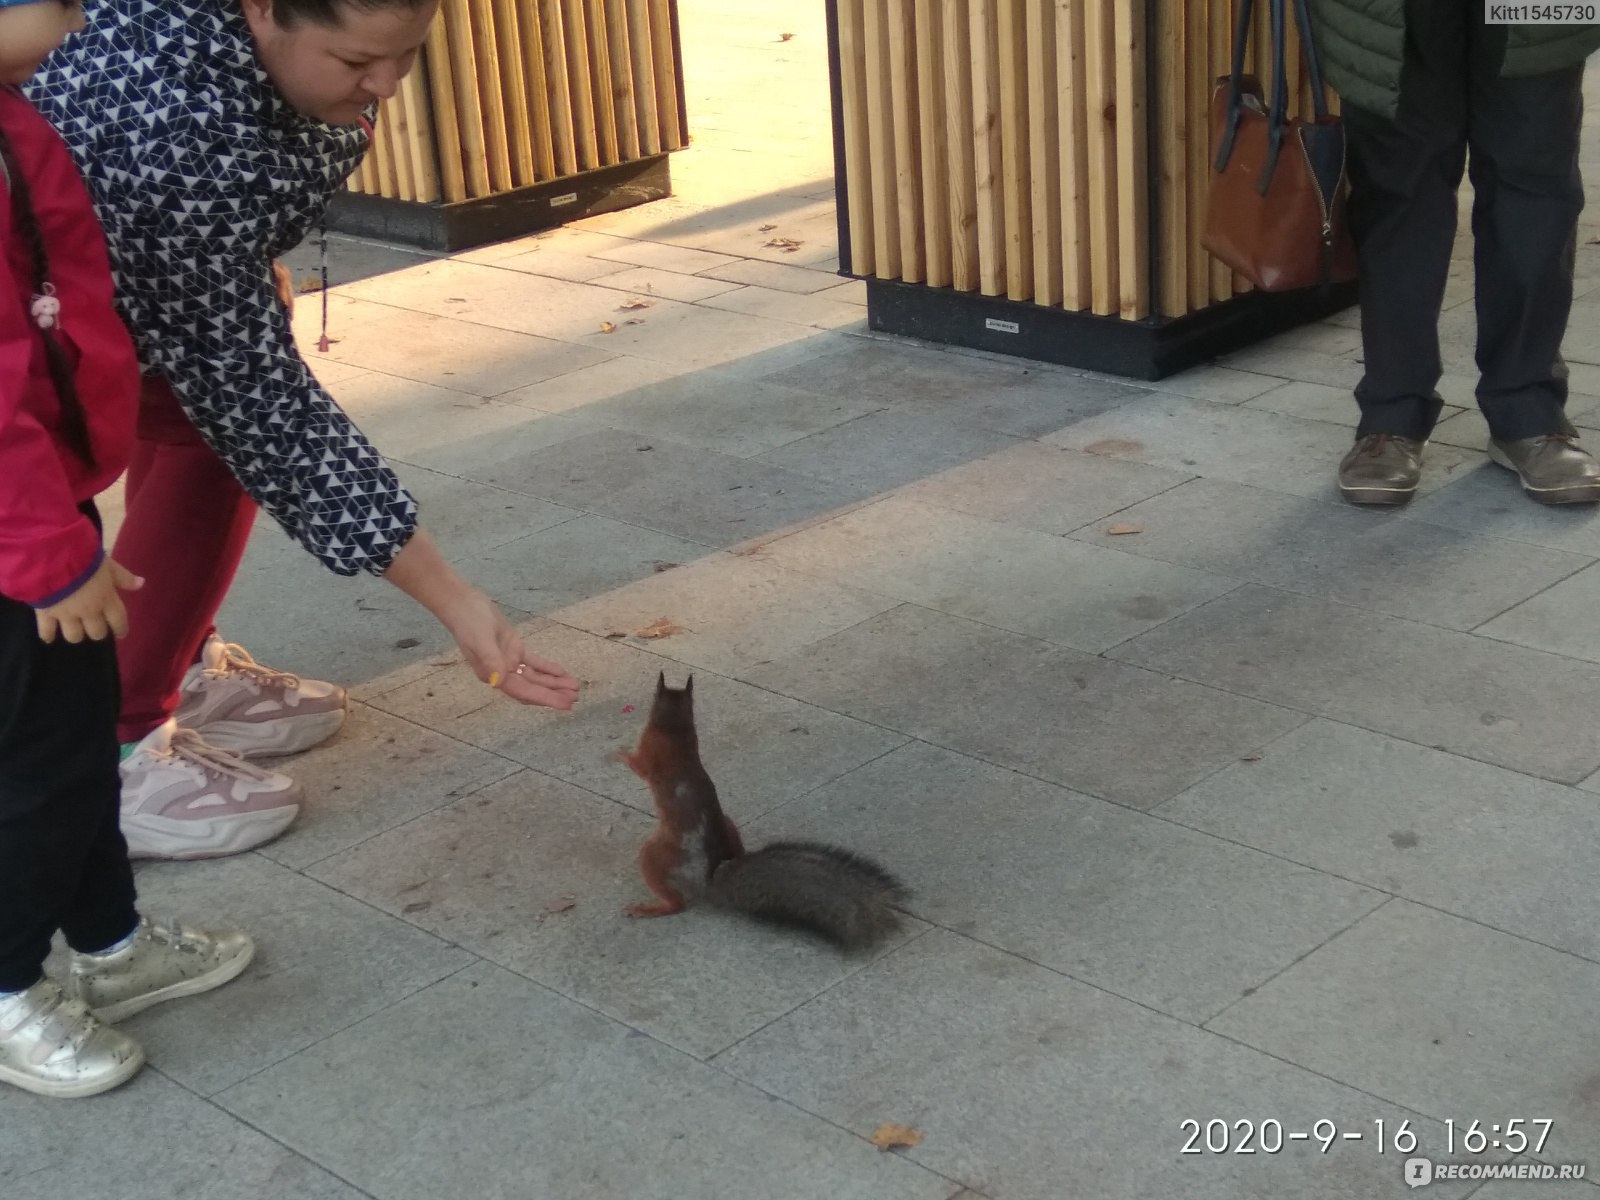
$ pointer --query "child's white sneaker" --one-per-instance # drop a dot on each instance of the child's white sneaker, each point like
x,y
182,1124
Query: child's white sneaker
x,y
159,963
53,1046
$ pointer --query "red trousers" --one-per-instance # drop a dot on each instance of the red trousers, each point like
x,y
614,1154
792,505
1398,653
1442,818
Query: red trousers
x,y
186,528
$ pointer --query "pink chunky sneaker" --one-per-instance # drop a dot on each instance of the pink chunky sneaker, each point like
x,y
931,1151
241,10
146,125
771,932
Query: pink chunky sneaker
x,y
183,798
237,704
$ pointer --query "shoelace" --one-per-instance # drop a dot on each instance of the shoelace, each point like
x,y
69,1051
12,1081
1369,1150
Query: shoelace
x,y
1373,443
200,755
236,660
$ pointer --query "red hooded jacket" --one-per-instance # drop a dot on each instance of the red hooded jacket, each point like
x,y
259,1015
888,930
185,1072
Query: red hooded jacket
x,y
48,548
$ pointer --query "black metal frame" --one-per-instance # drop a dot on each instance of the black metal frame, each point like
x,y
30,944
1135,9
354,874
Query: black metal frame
x,y
469,223
1152,348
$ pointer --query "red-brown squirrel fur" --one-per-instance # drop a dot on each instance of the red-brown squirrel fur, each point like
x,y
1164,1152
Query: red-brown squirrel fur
x,y
696,852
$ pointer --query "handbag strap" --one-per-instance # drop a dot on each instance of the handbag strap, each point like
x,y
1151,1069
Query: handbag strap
x,y
1308,41
1278,109
1241,38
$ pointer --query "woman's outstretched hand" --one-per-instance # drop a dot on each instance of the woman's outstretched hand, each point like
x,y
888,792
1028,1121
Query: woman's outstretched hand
x,y
490,644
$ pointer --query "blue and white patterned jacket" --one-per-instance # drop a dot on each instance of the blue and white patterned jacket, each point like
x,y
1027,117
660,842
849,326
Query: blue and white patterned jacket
x,y
202,174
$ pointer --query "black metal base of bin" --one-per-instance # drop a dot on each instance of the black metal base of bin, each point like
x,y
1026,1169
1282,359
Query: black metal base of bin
x,y
1150,349
469,223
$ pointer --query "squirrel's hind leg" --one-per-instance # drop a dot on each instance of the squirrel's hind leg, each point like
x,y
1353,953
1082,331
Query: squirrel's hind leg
x,y
658,858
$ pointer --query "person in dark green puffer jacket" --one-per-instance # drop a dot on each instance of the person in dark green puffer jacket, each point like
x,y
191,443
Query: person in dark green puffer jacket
x,y
1422,82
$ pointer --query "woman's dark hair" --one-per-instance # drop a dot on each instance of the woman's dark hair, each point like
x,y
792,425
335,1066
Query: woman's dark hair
x,y
289,13
74,424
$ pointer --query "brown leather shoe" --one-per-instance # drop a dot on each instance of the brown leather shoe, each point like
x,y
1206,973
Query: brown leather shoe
x,y
1554,469
1381,469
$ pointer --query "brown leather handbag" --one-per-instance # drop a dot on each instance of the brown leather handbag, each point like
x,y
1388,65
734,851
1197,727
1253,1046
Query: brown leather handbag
x,y
1275,208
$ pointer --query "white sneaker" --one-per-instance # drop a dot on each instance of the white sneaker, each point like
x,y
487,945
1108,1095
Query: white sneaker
x,y
183,798
52,1046
163,962
237,704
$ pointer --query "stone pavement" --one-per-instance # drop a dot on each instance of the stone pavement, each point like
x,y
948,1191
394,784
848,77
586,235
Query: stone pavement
x,y
1222,801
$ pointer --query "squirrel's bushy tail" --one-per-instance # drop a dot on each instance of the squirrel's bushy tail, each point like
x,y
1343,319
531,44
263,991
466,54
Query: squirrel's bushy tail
x,y
845,897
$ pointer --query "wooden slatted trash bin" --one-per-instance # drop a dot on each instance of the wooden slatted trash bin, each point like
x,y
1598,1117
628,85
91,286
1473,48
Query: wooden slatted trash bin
x,y
1029,177
521,115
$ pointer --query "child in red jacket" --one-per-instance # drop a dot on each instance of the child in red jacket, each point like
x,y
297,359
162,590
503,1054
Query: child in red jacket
x,y
68,393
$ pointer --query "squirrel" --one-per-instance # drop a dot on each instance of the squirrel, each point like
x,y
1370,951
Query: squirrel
x,y
696,852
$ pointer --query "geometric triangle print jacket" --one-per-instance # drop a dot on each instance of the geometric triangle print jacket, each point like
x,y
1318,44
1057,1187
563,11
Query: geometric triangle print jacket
x,y
202,175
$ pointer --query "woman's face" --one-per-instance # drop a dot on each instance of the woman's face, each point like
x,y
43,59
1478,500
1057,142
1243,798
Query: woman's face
x,y
30,33
331,73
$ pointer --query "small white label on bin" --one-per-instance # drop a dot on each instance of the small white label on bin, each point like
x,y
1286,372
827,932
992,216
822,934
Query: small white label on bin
x,y
999,326
558,201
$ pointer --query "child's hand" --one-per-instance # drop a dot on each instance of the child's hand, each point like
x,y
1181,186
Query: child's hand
x,y
285,282
94,610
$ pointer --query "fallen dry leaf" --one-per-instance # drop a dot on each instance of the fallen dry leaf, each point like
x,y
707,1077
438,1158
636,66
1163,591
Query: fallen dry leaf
x,y
784,37
1253,756
561,905
787,245
634,304
607,327
311,283
889,1137
1113,446
664,566
766,229
661,627
747,550
627,708
1124,528
633,321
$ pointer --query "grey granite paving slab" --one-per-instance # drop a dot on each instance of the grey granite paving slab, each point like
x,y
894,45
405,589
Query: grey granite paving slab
x,y
148,1140
885,449
1476,840
1404,568
1560,619
445,430
1041,487
323,961
1017,398
713,408
1501,704
567,563
1488,500
1020,1079
379,772
534,874
730,611
1019,579
712,498
1072,718
1221,385
1114,898
1445,1016
493,1086
461,355
1244,445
